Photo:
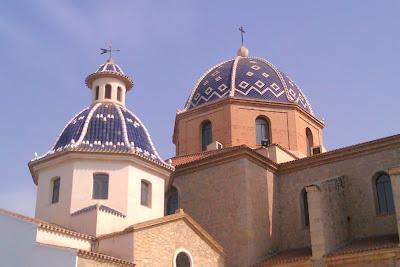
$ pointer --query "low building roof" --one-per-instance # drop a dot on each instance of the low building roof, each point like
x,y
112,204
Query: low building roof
x,y
288,256
367,244
180,215
46,225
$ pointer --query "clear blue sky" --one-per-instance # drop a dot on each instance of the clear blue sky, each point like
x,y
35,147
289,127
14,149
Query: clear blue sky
x,y
343,54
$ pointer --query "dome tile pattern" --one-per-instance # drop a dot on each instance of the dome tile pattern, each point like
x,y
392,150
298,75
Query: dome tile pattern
x,y
214,85
107,127
110,66
246,77
109,69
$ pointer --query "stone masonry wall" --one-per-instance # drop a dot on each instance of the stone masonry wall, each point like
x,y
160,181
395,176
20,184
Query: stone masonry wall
x,y
156,246
360,196
232,201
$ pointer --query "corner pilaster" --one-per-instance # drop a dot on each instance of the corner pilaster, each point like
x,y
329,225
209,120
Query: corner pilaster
x,y
395,181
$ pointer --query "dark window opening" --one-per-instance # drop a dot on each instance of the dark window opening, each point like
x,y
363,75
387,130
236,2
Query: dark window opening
x,y
173,201
262,131
306,215
384,194
310,142
145,193
107,94
100,186
206,135
97,93
119,94
182,260
55,196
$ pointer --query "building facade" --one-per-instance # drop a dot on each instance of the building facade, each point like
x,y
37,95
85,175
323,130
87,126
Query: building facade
x,y
251,183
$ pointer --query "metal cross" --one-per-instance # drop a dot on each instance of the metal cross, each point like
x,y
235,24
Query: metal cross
x,y
108,50
242,32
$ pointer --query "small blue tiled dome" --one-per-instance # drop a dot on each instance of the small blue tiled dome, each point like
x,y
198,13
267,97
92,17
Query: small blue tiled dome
x,y
107,127
246,77
109,69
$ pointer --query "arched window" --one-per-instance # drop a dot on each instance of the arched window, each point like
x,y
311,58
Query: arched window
x,y
304,203
262,131
119,94
384,194
100,186
145,193
173,201
183,259
97,92
206,135
107,94
309,141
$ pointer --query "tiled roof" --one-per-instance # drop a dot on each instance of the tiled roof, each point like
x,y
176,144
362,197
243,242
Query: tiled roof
x,y
185,159
367,244
103,258
46,225
100,207
287,256
246,77
106,127
109,69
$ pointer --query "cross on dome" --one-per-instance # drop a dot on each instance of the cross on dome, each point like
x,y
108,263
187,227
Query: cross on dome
x,y
242,32
242,51
108,50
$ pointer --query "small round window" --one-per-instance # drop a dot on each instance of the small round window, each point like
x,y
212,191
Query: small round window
x,y
183,260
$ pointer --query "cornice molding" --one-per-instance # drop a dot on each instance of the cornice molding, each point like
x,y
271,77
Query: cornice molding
x,y
341,154
252,102
63,156
226,156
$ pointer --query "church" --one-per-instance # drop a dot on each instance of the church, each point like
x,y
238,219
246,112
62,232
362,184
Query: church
x,y
251,183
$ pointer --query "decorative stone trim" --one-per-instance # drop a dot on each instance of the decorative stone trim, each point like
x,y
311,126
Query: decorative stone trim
x,y
124,129
99,207
47,226
104,258
86,125
233,76
394,171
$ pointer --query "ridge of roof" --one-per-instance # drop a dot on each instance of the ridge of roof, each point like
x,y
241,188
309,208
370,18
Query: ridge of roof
x,y
196,158
100,207
184,159
46,225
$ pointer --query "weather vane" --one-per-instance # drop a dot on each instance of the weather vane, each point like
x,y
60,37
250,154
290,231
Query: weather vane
x,y
242,32
108,50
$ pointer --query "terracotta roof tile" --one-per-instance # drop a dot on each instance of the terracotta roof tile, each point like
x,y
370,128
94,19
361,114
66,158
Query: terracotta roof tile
x,y
103,257
185,159
46,225
287,256
367,244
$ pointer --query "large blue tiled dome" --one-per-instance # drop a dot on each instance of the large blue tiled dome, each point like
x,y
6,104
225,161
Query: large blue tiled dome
x,y
246,77
107,127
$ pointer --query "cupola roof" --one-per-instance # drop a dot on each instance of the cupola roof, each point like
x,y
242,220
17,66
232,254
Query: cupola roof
x,y
107,126
109,69
249,78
